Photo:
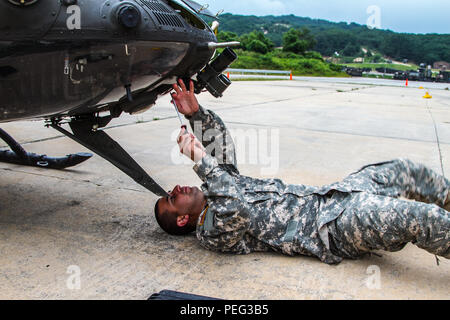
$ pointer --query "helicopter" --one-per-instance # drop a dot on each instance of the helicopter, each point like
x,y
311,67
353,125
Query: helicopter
x,y
84,63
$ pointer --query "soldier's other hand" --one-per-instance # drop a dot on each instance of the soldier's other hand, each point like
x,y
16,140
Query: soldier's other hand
x,y
190,146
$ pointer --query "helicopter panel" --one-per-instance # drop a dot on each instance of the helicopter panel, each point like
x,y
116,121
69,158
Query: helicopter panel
x,y
53,81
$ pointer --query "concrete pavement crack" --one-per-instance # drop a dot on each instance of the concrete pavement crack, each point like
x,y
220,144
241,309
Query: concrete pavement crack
x,y
220,108
437,138
68,179
330,131
107,128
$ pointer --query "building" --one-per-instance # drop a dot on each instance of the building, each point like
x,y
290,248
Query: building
x,y
441,65
332,60
358,60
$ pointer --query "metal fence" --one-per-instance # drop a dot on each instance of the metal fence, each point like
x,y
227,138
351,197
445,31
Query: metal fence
x,y
256,71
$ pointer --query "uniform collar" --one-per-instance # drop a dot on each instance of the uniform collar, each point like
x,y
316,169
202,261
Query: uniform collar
x,y
203,215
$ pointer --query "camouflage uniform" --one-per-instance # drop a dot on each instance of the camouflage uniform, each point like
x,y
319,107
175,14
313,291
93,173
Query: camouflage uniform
x,y
341,220
375,219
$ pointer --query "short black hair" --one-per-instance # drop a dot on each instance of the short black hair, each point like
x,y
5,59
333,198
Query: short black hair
x,y
168,222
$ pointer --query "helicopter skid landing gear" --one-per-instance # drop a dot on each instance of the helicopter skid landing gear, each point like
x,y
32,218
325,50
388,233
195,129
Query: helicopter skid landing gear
x,y
18,155
85,132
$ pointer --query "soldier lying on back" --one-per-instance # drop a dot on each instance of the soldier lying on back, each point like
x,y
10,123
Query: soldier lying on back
x,y
347,219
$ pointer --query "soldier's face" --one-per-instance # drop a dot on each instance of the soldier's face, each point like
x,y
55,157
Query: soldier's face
x,y
182,201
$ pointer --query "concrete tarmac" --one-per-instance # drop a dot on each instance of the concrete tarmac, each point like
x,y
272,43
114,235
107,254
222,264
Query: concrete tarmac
x,y
89,232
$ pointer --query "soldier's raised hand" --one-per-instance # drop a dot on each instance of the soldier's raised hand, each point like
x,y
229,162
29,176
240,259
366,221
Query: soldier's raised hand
x,y
185,99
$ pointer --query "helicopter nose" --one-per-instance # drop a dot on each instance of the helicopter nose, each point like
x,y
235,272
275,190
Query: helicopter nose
x,y
129,16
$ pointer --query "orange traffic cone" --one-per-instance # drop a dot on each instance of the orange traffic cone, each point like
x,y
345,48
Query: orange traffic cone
x,y
406,82
290,78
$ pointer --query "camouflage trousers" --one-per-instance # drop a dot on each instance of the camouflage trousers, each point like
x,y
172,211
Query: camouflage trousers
x,y
375,219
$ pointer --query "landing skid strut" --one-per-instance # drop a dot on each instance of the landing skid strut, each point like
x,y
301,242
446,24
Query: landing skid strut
x,y
85,132
18,155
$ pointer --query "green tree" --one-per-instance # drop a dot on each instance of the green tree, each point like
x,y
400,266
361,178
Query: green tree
x,y
351,50
313,55
298,40
377,58
335,37
256,41
398,46
226,36
334,40
430,58
258,46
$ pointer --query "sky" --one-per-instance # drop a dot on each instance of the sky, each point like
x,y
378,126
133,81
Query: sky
x,y
411,16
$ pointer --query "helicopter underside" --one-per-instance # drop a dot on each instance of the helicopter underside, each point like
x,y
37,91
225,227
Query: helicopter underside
x,y
87,79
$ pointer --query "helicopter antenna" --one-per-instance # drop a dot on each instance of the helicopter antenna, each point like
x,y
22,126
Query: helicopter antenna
x,y
203,8
219,12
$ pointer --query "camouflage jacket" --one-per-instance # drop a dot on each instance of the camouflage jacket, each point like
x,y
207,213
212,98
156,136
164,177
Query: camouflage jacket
x,y
245,214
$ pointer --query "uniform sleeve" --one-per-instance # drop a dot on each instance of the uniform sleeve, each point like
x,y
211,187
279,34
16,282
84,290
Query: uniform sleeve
x,y
227,219
215,137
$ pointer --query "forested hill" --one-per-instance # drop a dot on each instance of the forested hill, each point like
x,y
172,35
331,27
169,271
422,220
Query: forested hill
x,y
346,39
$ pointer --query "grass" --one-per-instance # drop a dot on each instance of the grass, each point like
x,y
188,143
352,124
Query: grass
x,y
140,119
382,65
310,64
386,76
259,79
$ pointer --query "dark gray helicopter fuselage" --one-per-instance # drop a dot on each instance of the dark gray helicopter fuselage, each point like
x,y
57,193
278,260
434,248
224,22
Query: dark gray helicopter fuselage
x,y
64,58
85,62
